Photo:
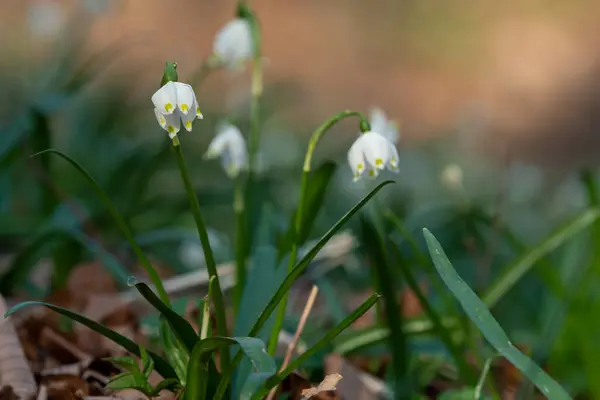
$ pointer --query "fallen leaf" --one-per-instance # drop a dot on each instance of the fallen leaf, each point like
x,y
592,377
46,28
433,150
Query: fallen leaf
x,y
328,384
14,368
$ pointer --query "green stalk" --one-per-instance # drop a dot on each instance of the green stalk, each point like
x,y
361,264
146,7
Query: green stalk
x,y
240,243
312,144
208,254
257,91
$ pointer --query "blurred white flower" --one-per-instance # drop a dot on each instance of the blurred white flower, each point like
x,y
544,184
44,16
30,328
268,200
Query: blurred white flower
x,y
452,176
381,124
372,152
230,145
46,18
173,103
233,43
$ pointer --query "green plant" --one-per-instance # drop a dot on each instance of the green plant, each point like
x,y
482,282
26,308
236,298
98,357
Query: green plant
x,y
189,364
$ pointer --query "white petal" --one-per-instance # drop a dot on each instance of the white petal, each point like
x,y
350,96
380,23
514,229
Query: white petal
x,y
232,163
233,43
356,158
165,98
372,173
378,120
394,158
173,124
197,108
188,120
392,132
376,149
185,97
162,121
219,143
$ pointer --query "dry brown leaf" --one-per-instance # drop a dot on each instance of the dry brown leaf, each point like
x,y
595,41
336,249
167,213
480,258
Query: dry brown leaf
x,y
329,383
42,393
66,387
14,368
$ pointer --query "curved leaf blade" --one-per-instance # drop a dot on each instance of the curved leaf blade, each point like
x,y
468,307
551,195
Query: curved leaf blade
x,y
291,278
181,328
118,219
520,267
489,327
161,365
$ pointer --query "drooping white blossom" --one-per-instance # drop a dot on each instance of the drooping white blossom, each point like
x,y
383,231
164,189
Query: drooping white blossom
x,y
230,145
382,125
233,44
174,103
371,153
452,176
46,18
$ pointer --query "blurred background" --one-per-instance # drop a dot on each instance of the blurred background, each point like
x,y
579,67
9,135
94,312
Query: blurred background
x,y
498,105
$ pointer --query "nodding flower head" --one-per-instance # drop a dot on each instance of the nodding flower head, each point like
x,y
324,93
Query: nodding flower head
x,y
371,153
381,124
233,44
229,144
174,103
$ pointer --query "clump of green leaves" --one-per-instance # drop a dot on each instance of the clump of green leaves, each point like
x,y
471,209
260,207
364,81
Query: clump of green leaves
x,y
137,378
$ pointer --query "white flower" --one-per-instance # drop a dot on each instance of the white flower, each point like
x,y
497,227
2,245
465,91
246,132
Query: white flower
x,y
230,145
380,124
372,152
452,176
233,43
173,103
46,18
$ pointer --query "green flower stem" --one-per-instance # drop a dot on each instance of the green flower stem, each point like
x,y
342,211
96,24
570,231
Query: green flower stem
x,y
240,243
312,144
257,91
217,297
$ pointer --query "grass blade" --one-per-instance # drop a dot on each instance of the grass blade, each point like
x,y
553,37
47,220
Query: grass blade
x,y
291,278
211,266
181,328
160,364
484,373
520,267
386,281
326,340
364,338
305,261
489,327
120,222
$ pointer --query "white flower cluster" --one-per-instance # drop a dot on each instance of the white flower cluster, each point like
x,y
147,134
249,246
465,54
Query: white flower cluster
x,y
175,103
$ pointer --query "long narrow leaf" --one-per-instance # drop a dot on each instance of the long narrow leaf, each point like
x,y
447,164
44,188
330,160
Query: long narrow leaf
x,y
161,365
326,340
181,328
444,335
519,268
120,222
352,341
489,327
